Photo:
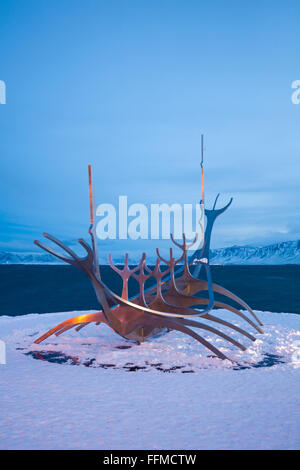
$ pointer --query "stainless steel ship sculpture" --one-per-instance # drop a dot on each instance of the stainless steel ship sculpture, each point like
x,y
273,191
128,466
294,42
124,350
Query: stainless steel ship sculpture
x,y
173,302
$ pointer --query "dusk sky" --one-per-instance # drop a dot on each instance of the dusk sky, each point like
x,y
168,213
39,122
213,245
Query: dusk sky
x,y
129,86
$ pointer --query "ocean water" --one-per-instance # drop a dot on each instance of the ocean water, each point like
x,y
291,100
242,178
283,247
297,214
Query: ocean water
x,y
44,289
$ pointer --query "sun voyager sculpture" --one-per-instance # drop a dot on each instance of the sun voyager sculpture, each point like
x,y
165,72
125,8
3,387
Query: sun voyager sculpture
x,y
179,296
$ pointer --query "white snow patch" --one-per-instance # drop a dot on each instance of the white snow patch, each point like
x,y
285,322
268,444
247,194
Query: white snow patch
x,y
249,403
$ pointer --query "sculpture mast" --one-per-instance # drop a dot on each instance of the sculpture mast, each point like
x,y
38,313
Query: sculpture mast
x,y
202,183
202,170
92,229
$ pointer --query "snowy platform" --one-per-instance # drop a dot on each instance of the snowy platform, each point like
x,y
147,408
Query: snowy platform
x,y
91,389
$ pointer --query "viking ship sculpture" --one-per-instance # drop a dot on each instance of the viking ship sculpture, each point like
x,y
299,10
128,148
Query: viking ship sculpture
x,y
173,302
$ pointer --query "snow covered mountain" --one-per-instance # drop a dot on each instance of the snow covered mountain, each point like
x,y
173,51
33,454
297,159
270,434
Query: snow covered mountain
x,y
27,258
278,253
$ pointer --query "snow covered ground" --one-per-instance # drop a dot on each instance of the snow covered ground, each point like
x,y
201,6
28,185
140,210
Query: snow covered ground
x,y
91,389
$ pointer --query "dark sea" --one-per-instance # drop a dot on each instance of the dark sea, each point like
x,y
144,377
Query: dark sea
x,y
54,288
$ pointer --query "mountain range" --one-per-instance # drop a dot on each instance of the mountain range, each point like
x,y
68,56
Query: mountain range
x,y
277,253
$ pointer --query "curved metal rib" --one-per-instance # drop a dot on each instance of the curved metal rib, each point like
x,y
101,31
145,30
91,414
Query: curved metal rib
x,y
190,301
202,326
199,285
79,327
231,295
52,252
215,319
90,317
238,313
183,329
174,325
61,245
63,330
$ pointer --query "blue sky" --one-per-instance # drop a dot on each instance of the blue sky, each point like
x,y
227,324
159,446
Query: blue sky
x,y
129,86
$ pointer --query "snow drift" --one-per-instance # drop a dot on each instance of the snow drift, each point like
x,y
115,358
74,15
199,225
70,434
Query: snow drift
x,y
96,399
